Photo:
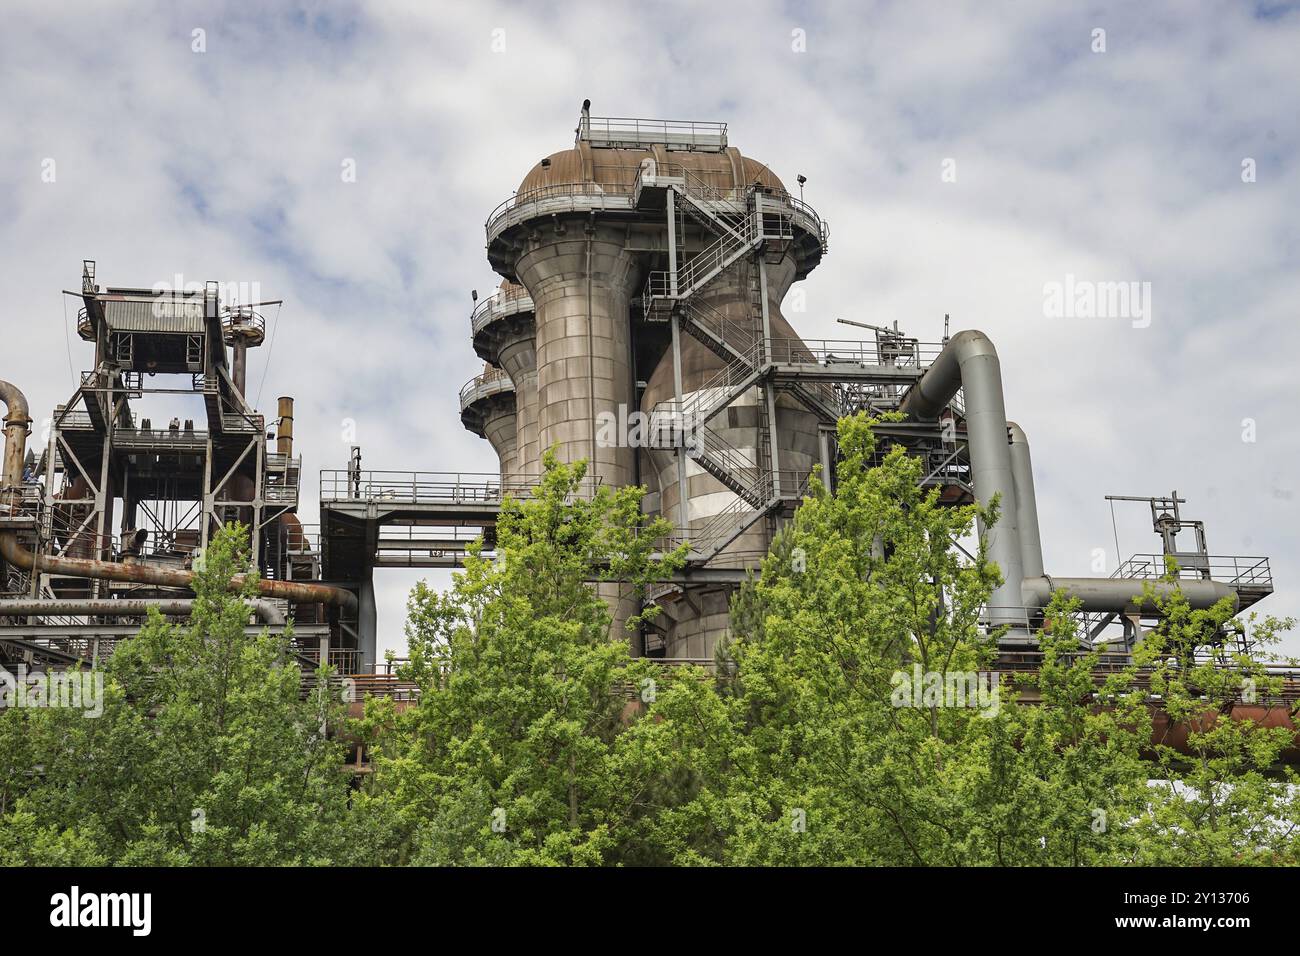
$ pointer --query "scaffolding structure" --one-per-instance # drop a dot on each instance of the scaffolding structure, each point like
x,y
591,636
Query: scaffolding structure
x,y
117,501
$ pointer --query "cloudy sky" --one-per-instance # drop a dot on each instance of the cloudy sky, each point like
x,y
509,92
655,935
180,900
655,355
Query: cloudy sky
x,y
967,155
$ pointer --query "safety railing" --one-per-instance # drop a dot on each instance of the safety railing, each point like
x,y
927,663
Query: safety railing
x,y
238,422
432,487
714,393
280,494
345,660
508,301
65,417
492,382
618,197
832,352
703,266
242,321
557,197
420,538
1237,570
630,132
280,463
714,534
728,196
1031,620
84,543
738,336
709,444
161,437
302,539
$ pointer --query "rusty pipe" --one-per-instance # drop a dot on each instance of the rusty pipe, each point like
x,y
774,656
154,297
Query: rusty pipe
x,y
267,611
14,553
284,430
16,424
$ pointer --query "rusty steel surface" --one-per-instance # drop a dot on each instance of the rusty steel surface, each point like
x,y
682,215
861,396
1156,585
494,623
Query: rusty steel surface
x,y
14,553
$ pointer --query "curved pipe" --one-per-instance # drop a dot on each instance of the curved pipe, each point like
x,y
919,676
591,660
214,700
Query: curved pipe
x,y
267,612
1000,464
16,422
970,362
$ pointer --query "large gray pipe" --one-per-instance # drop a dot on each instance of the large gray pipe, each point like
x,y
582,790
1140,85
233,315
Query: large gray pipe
x,y
1117,594
970,362
1001,464
367,633
1022,471
267,612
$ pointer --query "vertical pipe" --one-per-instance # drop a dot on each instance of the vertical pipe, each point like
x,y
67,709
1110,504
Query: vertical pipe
x,y
16,429
591,352
683,515
239,368
367,620
824,443
284,432
970,362
671,200
762,293
768,395
1022,473
683,512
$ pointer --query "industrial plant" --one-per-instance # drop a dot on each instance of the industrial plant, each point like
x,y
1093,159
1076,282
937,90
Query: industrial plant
x,y
638,325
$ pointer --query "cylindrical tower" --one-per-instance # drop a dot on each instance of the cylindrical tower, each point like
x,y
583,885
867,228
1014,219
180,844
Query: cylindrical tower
x,y
487,408
646,234
503,330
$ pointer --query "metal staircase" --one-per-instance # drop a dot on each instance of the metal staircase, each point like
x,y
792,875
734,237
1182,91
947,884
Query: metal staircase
x,y
744,225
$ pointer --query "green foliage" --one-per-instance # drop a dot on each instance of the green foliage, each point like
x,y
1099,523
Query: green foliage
x,y
851,719
204,754
517,751
818,752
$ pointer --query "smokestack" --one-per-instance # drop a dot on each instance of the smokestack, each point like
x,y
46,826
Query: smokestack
x,y
239,368
284,433
16,429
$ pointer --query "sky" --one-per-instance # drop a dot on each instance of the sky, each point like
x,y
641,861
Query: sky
x,y
971,159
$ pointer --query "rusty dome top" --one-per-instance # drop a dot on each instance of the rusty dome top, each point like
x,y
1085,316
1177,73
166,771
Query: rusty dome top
x,y
618,167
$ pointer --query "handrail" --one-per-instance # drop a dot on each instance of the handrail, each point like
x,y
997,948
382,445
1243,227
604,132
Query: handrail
x,y
603,196
618,197
628,129
242,318
499,304
1239,570
431,487
492,382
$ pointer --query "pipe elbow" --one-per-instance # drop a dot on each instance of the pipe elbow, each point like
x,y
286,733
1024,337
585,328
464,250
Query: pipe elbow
x,y
1016,434
969,343
15,404
934,389
267,612
14,553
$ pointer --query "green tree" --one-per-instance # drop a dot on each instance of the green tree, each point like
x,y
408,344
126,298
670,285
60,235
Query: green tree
x,y
206,753
518,751
1220,794
825,748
